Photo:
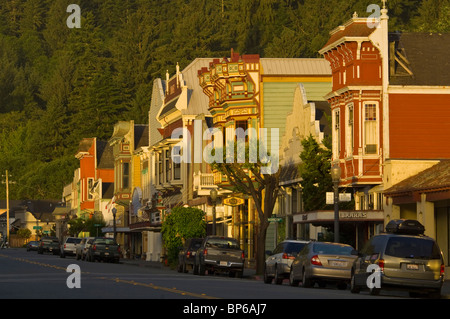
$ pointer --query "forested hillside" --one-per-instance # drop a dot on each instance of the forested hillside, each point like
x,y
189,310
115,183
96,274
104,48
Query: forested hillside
x,y
58,85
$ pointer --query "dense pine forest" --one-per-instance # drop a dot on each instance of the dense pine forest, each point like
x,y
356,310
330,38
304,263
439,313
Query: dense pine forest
x,y
60,84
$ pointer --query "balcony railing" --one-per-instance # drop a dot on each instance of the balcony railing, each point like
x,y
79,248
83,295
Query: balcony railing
x,y
204,182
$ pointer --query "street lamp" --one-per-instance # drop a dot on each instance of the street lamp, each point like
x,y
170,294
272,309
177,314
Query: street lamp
x,y
213,195
335,177
114,211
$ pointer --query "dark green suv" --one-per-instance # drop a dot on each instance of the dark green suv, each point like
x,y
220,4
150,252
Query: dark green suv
x,y
49,244
103,248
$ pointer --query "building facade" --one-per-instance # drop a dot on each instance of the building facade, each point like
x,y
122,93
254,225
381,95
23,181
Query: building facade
x,y
389,114
255,95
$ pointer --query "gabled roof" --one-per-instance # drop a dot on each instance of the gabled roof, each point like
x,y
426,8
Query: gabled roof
x,y
424,54
105,156
295,66
140,135
433,178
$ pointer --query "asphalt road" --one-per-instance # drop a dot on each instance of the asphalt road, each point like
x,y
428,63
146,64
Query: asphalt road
x,y
28,275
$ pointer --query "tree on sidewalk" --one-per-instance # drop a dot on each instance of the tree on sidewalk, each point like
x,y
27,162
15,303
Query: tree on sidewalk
x,y
180,224
258,178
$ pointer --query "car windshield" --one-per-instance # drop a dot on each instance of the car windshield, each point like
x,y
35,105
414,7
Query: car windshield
x,y
408,247
223,243
105,241
293,247
328,249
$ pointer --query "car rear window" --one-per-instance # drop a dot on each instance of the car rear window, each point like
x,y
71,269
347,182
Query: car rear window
x,y
73,240
409,247
293,247
105,241
223,243
332,249
50,240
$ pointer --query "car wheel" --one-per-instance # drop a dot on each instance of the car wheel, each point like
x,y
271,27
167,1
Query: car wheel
x,y
201,270
353,287
267,278
195,269
278,279
306,282
435,294
292,281
375,291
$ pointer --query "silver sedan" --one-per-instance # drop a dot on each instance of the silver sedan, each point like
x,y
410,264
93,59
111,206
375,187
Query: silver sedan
x,y
322,262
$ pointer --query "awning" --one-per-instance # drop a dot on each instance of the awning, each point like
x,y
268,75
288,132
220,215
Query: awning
x,y
323,217
118,230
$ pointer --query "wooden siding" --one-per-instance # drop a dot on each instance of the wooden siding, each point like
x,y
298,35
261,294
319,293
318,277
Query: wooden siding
x,y
419,126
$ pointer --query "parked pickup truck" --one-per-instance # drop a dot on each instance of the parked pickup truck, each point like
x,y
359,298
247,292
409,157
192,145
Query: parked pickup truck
x,y
103,248
219,254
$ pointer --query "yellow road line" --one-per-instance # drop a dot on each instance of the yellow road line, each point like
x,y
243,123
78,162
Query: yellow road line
x,y
118,280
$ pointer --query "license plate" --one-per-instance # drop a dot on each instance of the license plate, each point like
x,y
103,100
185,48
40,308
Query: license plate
x,y
223,263
106,254
337,263
412,267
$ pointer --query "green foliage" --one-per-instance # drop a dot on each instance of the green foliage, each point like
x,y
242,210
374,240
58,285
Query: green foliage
x,y
59,85
24,233
315,173
182,223
90,225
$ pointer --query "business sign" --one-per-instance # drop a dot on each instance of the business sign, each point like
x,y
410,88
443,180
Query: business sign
x,y
343,197
233,201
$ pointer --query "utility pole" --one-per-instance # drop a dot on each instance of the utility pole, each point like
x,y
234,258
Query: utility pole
x,y
7,204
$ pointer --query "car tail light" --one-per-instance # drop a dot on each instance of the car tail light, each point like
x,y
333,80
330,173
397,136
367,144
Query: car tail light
x,y
205,252
381,264
188,254
315,260
64,245
94,247
243,255
287,256
442,270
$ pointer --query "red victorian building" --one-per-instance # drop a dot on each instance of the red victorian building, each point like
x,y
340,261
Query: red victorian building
x,y
390,106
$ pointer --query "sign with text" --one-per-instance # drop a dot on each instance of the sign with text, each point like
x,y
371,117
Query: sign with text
x,y
343,197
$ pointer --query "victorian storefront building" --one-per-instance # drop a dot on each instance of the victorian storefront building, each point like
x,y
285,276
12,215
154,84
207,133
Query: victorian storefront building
x,y
389,106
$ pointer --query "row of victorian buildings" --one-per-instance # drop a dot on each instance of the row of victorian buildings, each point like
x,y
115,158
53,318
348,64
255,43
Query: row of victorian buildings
x,y
387,95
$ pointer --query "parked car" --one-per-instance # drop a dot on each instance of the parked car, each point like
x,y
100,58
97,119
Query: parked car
x,y
49,244
322,262
278,265
186,256
33,245
219,254
405,259
80,252
103,248
69,247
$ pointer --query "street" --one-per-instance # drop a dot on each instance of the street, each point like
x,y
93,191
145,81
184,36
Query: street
x,y
28,275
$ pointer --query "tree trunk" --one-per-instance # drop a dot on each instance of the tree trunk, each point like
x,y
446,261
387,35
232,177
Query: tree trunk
x,y
261,247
